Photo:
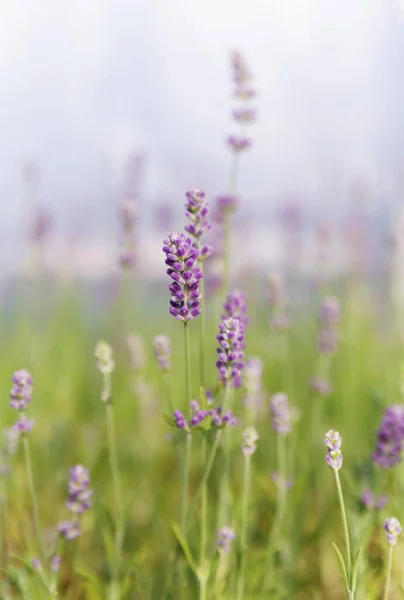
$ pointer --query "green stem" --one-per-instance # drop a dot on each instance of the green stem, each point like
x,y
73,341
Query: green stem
x,y
204,526
344,522
185,482
37,527
244,527
388,578
187,367
113,462
227,250
167,392
202,316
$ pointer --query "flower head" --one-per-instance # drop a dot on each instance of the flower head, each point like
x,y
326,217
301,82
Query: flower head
x,y
236,306
281,415
70,529
333,442
392,528
196,211
21,392
79,498
239,143
181,257
226,204
244,114
225,536
329,313
250,437
162,351
371,502
230,355
390,437
24,425
104,355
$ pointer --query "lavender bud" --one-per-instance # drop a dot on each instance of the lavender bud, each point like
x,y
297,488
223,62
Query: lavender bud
x,y
225,536
104,356
227,204
24,425
329,313
55,563
393,529
79,497
196,211
230,355
390,437
239,143
281,415
21,392
244,115
69,529
333,442
162,351
321,385
180,420
250,436
236,307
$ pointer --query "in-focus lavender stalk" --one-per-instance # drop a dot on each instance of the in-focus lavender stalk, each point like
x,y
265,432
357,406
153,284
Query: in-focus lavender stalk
x,y
392,528
334,458
20,397
248,447
106,365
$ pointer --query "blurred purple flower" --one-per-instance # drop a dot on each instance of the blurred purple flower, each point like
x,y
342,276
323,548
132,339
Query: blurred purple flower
x,y
196,211
281,415
239,143
162,351
21,392
225,536
24,425
390,437
230,355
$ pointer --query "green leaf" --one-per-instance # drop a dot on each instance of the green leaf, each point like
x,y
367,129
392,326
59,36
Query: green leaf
x,y
185,547
91,578
355,569
342,563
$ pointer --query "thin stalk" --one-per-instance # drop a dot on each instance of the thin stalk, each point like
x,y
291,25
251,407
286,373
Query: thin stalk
x,y
187,366
204,527
202,317
167,392
244,527
344,521
116,487
37,527
389,569
223,508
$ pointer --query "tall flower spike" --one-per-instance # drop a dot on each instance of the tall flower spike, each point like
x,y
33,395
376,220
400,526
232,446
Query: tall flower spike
x,y
230,355
104,355
162,351
392,528
390,437
196,211
333,442
181,257
281,416
236,307
250,437
21,392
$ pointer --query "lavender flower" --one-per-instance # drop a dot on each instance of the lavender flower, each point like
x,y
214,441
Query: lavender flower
x,y
79,498
393,529
333,442
371,502
329,316
24,425
253,383
127,259
226,204
236,307
211,418
239,143
197,210
390,437
281,482
330,312
250,437
21,392
225,536
37,564
244,114
55,563
104,355
180,420
162,351
321,385
230,355
136,347
70,529
281,415
185,294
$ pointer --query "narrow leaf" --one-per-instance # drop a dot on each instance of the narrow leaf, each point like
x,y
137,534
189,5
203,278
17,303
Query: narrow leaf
x,y
342,563
355,569
185,547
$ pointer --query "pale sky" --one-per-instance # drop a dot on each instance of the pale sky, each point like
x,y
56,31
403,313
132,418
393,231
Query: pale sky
x,y
85,81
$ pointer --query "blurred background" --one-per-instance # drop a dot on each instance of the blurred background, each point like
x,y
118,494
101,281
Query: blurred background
x,y
87,87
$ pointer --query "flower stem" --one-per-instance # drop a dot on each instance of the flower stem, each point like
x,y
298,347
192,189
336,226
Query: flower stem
x,y
37,527
113,462
344,522
388,578
202,316
224,483
204,526
244,527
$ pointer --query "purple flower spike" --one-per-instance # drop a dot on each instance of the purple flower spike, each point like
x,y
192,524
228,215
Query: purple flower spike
x,y
227,204
236,307
21,392
230,354
181,257
333,442
390,437
70,529
281,416
239,143
371,502
24,425
162,351
197,210
321,385
392,528
329,313
250,437
224,538
79,498
55,563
